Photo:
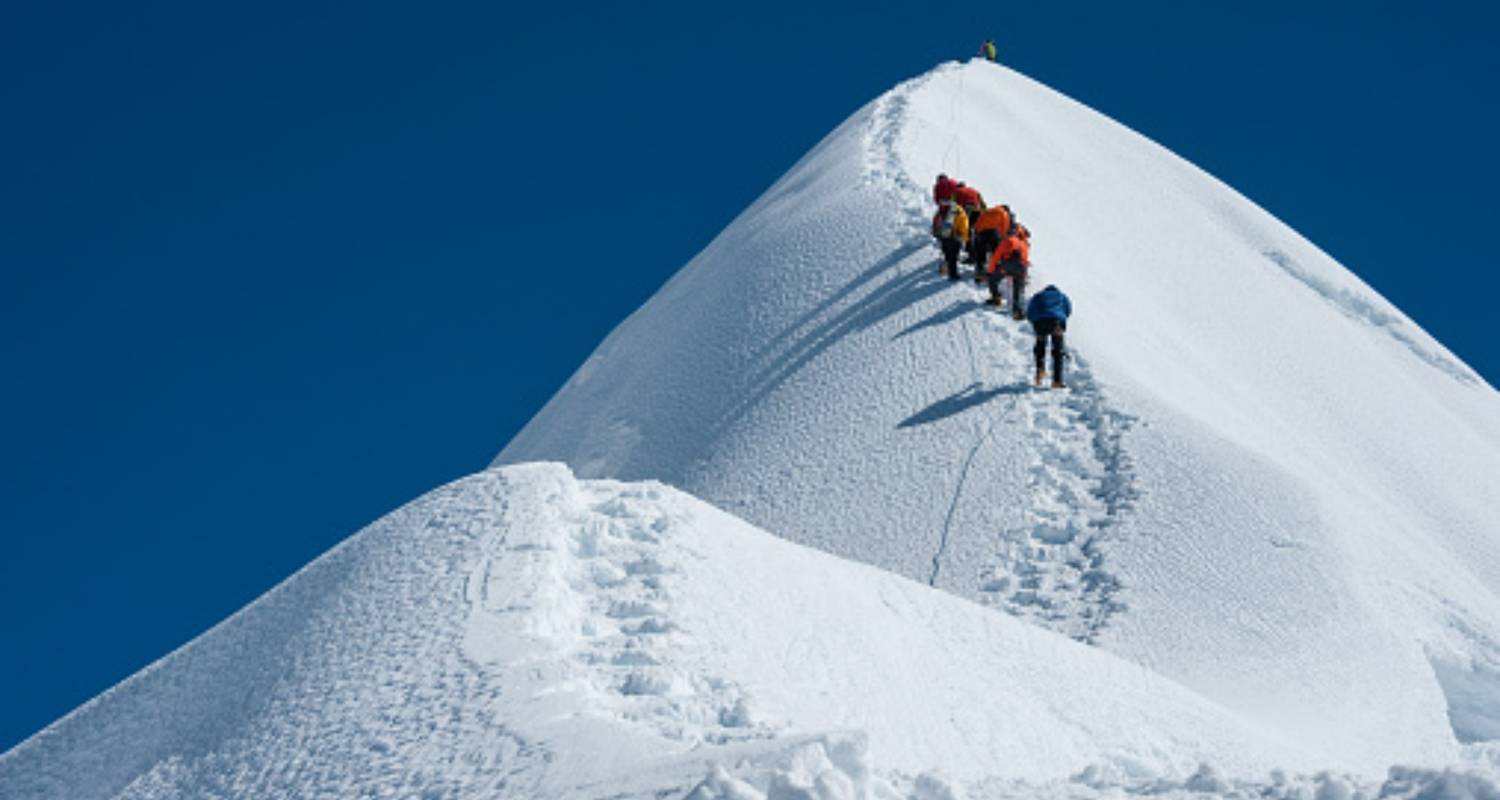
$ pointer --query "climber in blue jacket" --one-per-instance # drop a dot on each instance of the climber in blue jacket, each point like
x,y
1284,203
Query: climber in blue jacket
x,y
1048,311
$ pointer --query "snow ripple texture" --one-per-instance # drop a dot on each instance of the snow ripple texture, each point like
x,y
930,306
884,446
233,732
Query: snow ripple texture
x,y
520,633
445,652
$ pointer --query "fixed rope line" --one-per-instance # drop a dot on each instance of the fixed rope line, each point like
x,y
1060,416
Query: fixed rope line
x,y
955,121
958,102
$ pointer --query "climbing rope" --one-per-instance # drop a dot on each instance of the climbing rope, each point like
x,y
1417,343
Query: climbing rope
x,y
955,123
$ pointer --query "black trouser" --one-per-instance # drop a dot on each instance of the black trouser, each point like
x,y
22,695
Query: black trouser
x,y
1017,275
985,242
951,246
1050,329
994,279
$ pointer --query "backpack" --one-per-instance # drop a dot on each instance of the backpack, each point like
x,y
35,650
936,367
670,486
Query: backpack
x,y
1017,255
942,226
942,190
1014,223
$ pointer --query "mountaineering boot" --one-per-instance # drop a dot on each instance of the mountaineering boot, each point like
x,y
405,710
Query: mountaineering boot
x,y
1057,383
1017,313
993,301
1041,379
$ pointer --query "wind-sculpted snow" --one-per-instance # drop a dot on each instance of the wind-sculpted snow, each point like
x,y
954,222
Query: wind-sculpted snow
x,y
837,769
1271,490
1373,312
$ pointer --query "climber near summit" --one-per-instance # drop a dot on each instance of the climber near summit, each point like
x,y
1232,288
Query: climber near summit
x,y
1049,311
951,227
1012,259
987,50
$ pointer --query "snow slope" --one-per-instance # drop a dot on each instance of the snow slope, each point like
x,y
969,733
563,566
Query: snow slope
x,y
520,633
1265,483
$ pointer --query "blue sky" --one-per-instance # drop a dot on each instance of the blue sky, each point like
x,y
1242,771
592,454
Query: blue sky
x,y
268,271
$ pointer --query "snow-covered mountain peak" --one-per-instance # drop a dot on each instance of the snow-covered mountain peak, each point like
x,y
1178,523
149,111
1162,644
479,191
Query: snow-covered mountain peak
x,y
1265,481
1251,551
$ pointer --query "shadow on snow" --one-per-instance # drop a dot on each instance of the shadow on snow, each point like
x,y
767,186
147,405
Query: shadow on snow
x,y
964,399
944,316
826,324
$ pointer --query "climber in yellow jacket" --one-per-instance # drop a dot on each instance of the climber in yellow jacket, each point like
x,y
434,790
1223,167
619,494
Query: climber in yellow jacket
x,y
951,228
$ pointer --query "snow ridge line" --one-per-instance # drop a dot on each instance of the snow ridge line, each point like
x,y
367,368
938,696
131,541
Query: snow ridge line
x,y
884,166
1362,309
472,510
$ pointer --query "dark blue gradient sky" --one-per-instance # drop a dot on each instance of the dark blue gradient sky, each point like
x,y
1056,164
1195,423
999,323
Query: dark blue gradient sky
x,y
269,270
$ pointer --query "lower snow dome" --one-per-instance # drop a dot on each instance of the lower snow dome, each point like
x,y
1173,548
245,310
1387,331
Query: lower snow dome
x,y
520,633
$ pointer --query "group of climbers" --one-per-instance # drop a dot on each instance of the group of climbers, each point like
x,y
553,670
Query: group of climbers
x,y
959,207
999,247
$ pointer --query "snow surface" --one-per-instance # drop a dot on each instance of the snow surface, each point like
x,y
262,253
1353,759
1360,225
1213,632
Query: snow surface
x,y
1266,482
1251,552
523,634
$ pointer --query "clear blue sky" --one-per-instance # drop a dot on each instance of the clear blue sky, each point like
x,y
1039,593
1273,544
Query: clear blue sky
x,y
269,270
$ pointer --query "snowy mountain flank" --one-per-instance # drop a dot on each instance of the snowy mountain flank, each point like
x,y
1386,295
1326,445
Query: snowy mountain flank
x,y
804,530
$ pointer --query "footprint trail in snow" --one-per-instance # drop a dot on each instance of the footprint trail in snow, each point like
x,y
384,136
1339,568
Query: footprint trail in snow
x,y
1053,569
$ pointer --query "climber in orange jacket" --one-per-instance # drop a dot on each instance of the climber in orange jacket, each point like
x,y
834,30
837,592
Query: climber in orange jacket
x,y
1012,259
993,224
